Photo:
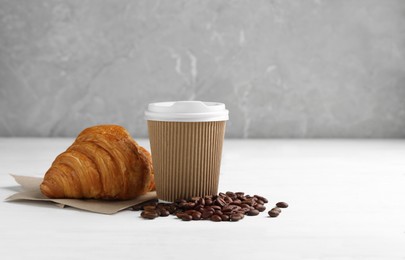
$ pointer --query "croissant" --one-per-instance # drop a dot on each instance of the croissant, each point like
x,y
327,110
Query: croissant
x,y
104,162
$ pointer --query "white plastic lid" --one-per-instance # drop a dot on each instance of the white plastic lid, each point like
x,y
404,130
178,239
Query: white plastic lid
x,y
187,111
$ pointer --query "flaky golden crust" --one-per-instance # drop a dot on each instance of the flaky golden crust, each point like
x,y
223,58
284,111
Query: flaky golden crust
x,y
104,162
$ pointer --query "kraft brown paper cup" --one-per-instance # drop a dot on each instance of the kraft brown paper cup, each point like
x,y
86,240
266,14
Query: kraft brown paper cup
x,y
186,139
186,157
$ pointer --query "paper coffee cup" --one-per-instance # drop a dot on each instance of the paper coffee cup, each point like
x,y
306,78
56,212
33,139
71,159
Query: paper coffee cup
x,y
186,139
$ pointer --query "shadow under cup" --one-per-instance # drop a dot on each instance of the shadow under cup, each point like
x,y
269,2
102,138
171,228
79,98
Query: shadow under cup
x,y
186,157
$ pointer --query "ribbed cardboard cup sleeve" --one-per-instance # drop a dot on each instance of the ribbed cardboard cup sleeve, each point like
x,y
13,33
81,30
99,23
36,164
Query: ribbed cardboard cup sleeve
x,y
186,157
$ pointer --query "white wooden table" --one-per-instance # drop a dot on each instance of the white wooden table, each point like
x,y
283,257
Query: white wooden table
x,y
347,201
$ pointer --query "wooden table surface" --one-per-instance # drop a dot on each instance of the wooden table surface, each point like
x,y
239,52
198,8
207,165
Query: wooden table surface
x,y
347,201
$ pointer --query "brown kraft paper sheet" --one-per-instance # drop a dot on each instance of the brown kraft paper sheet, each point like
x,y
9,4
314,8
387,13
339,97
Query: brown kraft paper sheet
x,y
31,191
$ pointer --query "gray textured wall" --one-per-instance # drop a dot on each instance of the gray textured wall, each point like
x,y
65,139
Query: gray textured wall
x,y
293,68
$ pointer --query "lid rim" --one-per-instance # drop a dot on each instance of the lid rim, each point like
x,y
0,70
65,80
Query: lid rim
x,y
189,121
187,111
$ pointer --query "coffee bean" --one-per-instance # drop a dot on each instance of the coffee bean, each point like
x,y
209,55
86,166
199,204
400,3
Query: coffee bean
x,y
164,213
273,213
240,196
244,210
206,214
180,214
208,208
244,206
141,205
189,205
237,208
282,204
149,214
260,208
216,207
182,204
227,208
236,217
227,199
160,207
220,202
172,208
201,201
186,217
253,212
231,194
276,209
218,212
196,215
208,201
225,217
260,202
236,202
199,207
149,207
216,218
261,198
248,202
151,210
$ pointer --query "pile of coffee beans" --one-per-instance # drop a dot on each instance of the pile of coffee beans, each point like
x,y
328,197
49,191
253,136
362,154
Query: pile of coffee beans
x,y
228,206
